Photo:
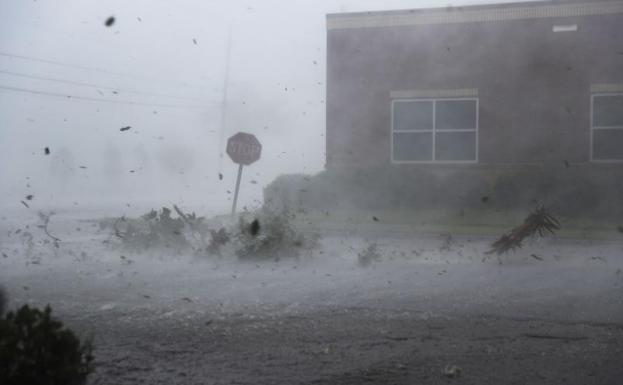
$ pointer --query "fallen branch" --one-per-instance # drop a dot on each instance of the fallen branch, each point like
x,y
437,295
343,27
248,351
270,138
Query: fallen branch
x,y
540,221
46,219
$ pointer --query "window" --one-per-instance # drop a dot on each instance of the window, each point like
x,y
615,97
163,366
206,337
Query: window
x,y
607,127
435,130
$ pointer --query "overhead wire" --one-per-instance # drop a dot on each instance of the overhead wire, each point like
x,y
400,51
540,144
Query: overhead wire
x,y
93,85
92,99
95,69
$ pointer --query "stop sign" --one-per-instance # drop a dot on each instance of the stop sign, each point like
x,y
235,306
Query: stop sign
x,y
244,148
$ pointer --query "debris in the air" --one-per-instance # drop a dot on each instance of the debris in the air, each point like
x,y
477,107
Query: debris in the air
x,y
195,41
125,128
45,218
484,199
536,257
220,176
368,255
567,164
254,227
253,181
83,167
620,228
46,151
139,19
375,219
537,222
6,256
110,21
29,197
452,371
25,204
187,299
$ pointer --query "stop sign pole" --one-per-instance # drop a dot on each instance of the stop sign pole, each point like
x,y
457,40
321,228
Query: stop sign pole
x,y
243,149
233,207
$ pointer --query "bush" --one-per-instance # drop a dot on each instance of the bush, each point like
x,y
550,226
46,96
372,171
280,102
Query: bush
x,y
368,255
159,229
270,235
36,349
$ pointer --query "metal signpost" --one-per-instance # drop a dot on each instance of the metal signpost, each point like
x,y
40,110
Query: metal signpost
x,y
243,149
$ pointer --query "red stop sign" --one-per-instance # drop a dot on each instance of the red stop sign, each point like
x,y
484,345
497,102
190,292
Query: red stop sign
x,y
244,148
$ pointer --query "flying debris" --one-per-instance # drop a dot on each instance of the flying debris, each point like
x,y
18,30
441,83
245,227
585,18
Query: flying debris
x,y
254,228
220,176
484,199
195,41
29,197
375,219
125,128
46,151
110,21
25,204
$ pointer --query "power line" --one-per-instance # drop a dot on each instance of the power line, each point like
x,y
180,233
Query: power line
x,y
95,69
81,84
126,102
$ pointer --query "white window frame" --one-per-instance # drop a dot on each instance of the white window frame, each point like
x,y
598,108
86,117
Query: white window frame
x,y
434,130
593,128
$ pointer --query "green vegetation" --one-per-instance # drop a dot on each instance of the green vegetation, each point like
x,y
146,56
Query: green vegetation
x,y
36,349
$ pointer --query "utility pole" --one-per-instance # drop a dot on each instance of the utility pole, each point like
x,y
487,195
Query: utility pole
x,y
224,102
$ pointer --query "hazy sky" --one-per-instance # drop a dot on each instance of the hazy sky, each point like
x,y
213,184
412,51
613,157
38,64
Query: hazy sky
x,y
70,83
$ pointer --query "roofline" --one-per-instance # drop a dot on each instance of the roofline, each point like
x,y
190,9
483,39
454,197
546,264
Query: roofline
x,y
474,13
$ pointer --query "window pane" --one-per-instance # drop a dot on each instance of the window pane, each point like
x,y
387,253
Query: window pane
x,y
455,146
608,144
413,115
413,146
455,114
608,111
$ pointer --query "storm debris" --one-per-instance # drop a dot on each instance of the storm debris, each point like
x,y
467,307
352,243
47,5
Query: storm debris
x,y
375,219
620,229
452,371
195,41
46,151
125,128
45,218
484,199
220,176
536,257
25,204
538,222
254,227
29,197
110,21
368,255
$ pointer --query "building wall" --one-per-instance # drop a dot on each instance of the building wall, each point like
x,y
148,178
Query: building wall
x,y
533,84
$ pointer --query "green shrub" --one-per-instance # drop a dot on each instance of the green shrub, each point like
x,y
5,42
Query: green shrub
x,y
36,349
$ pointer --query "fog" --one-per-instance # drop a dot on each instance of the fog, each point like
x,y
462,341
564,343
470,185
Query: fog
x,y
382,263
70,83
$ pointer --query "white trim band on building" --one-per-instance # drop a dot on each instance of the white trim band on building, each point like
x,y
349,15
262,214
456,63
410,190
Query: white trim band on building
x,y
606,88
454,15
443,93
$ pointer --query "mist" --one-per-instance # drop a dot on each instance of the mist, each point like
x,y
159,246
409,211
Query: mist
x,y
438,197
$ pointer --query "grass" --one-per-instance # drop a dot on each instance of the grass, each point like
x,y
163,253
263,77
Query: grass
x,y
485,222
